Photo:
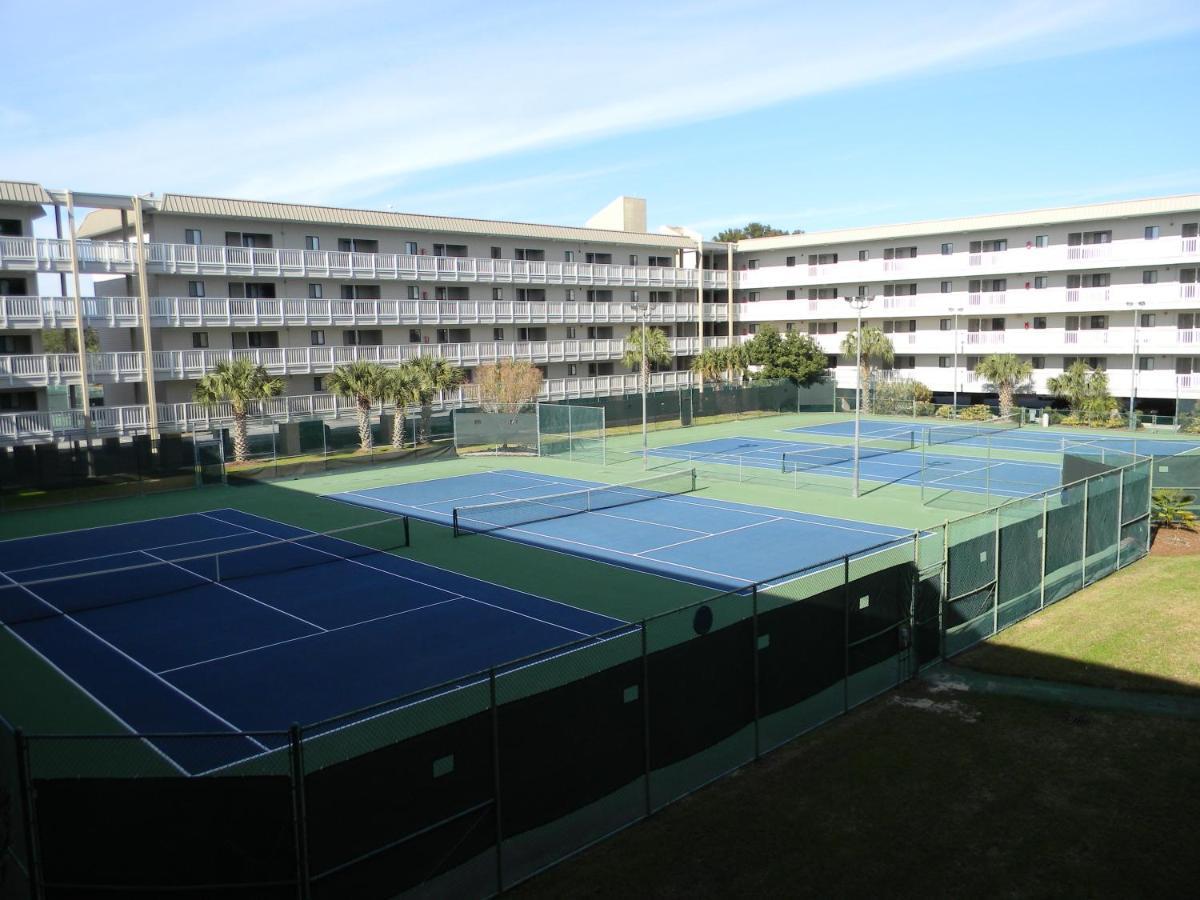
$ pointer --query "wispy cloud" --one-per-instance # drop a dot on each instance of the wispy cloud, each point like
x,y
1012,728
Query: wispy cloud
x,y
324,104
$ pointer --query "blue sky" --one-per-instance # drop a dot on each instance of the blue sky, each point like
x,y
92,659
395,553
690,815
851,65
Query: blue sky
x,y
717,113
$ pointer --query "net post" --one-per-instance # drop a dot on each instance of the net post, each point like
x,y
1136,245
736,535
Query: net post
x,y
407,535
217,567
495,711
693,473
755,648
28,814
454,520
299,811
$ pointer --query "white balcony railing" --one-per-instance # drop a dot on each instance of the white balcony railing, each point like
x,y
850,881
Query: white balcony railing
x,y
54,255
62,368
986,298
985,337
117,420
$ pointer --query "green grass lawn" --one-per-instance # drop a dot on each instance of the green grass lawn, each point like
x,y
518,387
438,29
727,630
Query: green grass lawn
x,y
926,794
1136,630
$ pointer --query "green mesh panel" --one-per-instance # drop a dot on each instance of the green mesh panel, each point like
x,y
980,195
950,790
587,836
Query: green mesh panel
x,y
14,867
1134,538
1103,525
1135,491
572,431
1064,542
495,432
1018,591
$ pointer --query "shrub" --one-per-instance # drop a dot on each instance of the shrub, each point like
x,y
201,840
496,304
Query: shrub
x,y
1169,509
977,413
945,411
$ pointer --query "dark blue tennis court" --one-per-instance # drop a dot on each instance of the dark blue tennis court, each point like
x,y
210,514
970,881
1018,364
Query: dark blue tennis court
x,y
887,464
648,526
262,634
1033,438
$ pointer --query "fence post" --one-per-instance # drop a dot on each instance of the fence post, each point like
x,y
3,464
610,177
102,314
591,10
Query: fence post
x,y
846,633
754,636
1120,509
646,718
1045,527
945,594
299,810
996,579
496,779
28,814
1083,553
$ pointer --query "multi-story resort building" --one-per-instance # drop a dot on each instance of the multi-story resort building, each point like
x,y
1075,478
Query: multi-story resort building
x,y
168,286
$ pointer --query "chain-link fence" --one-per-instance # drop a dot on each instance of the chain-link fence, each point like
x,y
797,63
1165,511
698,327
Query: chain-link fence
x,y
468,787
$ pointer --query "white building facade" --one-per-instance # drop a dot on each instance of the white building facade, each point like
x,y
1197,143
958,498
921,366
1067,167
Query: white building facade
x,y
303,289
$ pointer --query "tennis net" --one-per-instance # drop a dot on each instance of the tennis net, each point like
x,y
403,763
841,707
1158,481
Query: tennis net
x,y
81,585
485,517
815,457
947,434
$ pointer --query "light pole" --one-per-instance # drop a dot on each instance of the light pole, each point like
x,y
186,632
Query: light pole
x,y
641,308
1133,366
858,304
954,403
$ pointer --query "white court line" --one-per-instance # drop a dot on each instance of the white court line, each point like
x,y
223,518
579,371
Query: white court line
x,y
140,665
527,616
434,587
133,732
223,537
232,590
713,534
100,527
305,637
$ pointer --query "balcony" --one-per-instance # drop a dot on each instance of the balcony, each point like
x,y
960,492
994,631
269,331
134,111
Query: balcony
x,y
63,368
59,312
98,257
35,427
984,338
990,299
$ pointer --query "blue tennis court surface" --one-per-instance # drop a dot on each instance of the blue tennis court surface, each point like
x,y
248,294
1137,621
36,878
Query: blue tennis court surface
x,y
325,628
1032,438
1004,478
713,543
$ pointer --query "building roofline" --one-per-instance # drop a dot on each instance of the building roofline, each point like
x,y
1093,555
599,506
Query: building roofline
x,y
987,222
24,193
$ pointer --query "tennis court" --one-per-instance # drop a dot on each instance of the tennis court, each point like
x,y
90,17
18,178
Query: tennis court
x,y
657,525
894,459
225,621
1033,438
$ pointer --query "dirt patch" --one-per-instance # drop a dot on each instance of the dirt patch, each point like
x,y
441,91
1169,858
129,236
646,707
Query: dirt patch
x,y
1176,542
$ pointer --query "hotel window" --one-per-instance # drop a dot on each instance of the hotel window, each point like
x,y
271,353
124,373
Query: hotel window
x,y
904,362
943,362
1150,276
790,261
947,249
633,259
537,333
822,259
1039,323
900,290
864,255
1146,363
191,236
316,338
633,296
312,242
598,259
568,256
571,369
900,253
570,332
413,292
660,296
315,292
943,324
822,327
752,264
752,328
318,385
1040,282
600,333
822,293
1075,238
661,262
497,334
1041,240
790,294
1151,232
528,254
597,370
947,287
195,288
496,253
1038,362
994,246
414,335
200,340
410,247
1147,320
356,245
752,296
497,293
899,326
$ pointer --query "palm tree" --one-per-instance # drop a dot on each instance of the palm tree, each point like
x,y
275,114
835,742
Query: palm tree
x,y
737,362
1071,385
362,382
237,382
433,374
400,389
658,351
1006,374
877,352
709,364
